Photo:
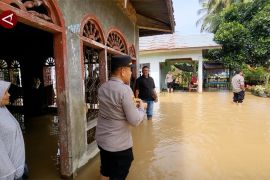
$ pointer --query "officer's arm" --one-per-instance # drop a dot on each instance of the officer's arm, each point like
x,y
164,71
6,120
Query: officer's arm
x,y
136,93
133,114
137,88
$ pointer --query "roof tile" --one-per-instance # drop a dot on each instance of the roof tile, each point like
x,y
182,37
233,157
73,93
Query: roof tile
x,y
176,41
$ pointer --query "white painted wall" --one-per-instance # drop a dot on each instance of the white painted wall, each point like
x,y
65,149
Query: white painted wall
x,y
155,57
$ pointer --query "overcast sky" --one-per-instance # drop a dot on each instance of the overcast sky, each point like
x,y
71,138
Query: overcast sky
x,y
185,14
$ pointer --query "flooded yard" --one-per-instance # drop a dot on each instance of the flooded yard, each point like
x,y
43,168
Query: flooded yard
x,y
192,137
204,136
200,137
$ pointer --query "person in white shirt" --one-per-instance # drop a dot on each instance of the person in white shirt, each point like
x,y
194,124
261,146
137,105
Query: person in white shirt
x,y
238,85
169,81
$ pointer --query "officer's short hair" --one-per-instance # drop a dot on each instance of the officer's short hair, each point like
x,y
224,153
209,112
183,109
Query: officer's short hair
x,y
120,61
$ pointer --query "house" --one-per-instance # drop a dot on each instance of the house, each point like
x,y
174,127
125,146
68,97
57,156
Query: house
x,y
173,48
64,47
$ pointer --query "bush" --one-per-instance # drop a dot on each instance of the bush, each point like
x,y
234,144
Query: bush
x,y
267,91
261,91
255,76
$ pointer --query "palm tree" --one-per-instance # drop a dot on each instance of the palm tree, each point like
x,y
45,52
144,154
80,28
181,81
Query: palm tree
x,y
210,10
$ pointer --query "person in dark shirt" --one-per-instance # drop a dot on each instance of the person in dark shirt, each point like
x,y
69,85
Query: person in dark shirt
x,y
145,90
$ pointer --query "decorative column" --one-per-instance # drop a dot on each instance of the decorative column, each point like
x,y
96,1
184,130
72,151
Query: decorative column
x,y
103,66
200,74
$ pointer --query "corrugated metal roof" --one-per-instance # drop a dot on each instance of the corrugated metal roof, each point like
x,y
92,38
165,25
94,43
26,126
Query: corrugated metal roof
x,y
177,41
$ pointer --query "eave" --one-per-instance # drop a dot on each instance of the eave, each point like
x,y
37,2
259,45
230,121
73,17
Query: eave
x,y
153,17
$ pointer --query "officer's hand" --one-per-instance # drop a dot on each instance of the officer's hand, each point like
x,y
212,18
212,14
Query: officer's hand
x,y
141,104
156,100
144,105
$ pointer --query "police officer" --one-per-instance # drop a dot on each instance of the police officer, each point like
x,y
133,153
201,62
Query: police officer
x,y
117,110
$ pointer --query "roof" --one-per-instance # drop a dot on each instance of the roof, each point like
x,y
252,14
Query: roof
x,y
154,16
213,65
177,41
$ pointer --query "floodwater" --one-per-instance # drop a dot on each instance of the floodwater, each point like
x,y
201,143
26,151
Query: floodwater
x,y
192,137
200,137
41,137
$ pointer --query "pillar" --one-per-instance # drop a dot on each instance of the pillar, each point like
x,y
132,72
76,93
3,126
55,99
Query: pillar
x,y
200,74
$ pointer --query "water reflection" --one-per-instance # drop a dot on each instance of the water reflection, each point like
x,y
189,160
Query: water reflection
x,y
200,137
41,141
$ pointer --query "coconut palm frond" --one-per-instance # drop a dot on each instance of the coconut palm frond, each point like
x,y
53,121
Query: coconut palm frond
x,y
201,11
206,25
200,20
203,1
212,4
210,9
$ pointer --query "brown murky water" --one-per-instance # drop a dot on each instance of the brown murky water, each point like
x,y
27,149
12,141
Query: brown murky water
x,y
41,137
191,137
200,137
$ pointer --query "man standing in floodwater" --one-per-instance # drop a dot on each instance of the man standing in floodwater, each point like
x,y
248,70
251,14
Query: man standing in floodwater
x,y
145,90
238,85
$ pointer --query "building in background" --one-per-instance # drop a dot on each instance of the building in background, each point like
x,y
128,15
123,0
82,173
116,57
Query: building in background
x,y
162,51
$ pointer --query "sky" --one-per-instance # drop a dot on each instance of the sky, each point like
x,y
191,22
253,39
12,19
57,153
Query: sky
x,y
185,14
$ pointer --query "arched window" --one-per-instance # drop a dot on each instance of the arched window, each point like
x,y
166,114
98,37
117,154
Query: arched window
x,y
116,41
92,31
15,73
132,52
91,34
38,8
4,75
49,72
118,45
16,89
50,81
92,83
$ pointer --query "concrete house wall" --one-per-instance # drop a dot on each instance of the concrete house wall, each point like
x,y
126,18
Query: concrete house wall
x,y
155,57
109,16
64,21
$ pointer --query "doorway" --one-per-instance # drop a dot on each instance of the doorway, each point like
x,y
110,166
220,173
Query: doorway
x,y
26,60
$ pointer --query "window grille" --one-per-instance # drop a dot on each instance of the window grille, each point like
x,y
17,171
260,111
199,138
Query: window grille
x,y
92,82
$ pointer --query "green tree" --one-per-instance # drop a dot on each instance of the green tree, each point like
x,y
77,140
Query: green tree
x,y
244,33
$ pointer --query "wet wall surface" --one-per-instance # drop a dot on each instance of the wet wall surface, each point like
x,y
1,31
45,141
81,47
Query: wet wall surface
x,y
191,137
